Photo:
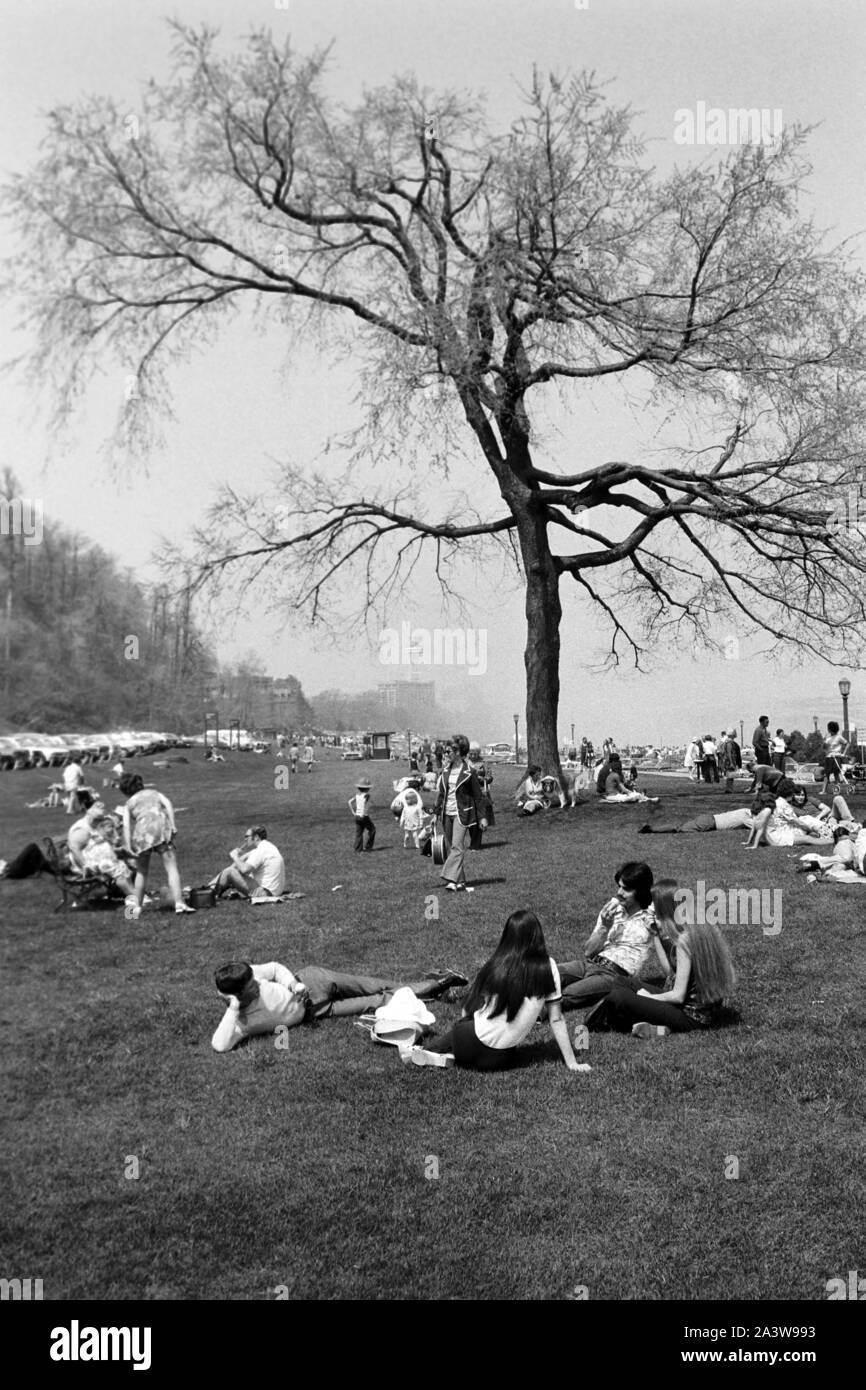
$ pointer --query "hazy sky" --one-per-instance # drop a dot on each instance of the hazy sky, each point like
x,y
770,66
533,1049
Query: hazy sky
x,y
240,407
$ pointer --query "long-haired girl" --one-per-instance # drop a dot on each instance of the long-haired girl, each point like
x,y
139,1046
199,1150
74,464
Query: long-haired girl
x,y
701,977
503,1005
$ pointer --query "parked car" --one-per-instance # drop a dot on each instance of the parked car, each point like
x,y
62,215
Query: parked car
x,y
78,750
43,752
12,755
499,752
123,744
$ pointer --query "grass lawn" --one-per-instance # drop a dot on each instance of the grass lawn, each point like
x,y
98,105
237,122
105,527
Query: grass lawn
x,y
328,1169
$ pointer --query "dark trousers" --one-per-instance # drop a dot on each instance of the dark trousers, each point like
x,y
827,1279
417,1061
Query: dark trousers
x,y
30,861
363,823
338,994
463,1042
711,770
584,983
622,1008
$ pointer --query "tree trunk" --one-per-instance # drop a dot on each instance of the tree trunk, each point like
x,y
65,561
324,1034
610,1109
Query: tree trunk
x,y
541,655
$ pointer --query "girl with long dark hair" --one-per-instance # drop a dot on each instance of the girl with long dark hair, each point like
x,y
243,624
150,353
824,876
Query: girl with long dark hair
x,y
503,1005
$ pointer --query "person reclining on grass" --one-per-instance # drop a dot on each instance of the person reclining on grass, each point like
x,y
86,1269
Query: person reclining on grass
x,y
700,978
258,871
781,825
262,998
810,814
723,820
32,860
846,863
622,944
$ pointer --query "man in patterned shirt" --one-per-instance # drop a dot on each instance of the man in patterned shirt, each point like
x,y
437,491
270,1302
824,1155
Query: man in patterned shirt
x,y
623,942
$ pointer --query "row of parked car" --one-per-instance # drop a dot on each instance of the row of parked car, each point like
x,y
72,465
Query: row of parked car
x,y
55,750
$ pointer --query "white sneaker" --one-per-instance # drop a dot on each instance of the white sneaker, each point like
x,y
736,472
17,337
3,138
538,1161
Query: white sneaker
x,y
649,1030
422,1058
180,908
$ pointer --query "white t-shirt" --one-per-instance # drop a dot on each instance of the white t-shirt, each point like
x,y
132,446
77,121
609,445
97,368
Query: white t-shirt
x,y
73,776
499,1033
267,867
451,799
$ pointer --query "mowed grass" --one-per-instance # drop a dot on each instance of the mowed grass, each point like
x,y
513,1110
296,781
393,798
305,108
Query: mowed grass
x,y
328,1169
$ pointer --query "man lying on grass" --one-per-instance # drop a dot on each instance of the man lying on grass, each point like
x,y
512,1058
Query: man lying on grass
x,y
262,998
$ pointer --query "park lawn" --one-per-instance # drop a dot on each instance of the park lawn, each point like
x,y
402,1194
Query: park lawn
x,y
327,1169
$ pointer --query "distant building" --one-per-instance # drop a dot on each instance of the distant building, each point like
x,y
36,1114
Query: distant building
x,y
263,702
415,698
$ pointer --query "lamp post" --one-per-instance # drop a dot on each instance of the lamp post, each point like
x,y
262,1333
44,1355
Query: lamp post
x,y
572,735
845,691
516,717
741,733
815,722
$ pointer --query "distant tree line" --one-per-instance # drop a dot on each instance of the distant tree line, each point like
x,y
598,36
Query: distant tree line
x,y
85,645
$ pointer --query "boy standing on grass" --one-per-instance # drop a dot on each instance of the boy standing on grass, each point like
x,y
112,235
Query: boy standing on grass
x,y
359,805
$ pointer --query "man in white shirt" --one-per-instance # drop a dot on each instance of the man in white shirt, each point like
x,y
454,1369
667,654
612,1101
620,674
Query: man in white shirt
x,y
73,780
258,870
262,998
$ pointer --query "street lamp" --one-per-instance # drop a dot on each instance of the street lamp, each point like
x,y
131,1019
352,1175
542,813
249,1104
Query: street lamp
x,y
845,691
516,717
572,735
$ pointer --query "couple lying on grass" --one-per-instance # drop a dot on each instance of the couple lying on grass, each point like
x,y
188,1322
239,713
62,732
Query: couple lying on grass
x,y
781,815
510,991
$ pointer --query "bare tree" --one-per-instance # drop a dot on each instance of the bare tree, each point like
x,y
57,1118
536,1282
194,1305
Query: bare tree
x,y
469,274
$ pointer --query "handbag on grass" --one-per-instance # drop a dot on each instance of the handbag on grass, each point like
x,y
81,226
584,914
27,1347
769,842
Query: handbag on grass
x,y
403,1019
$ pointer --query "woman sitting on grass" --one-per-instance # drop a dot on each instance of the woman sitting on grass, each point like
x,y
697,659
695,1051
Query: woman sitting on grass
x,y
701,976
503,1005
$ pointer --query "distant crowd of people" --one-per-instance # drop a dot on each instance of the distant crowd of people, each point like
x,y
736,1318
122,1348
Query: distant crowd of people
x,y
642,970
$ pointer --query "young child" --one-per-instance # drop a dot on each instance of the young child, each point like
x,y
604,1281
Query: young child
x,y
359,805
411,818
